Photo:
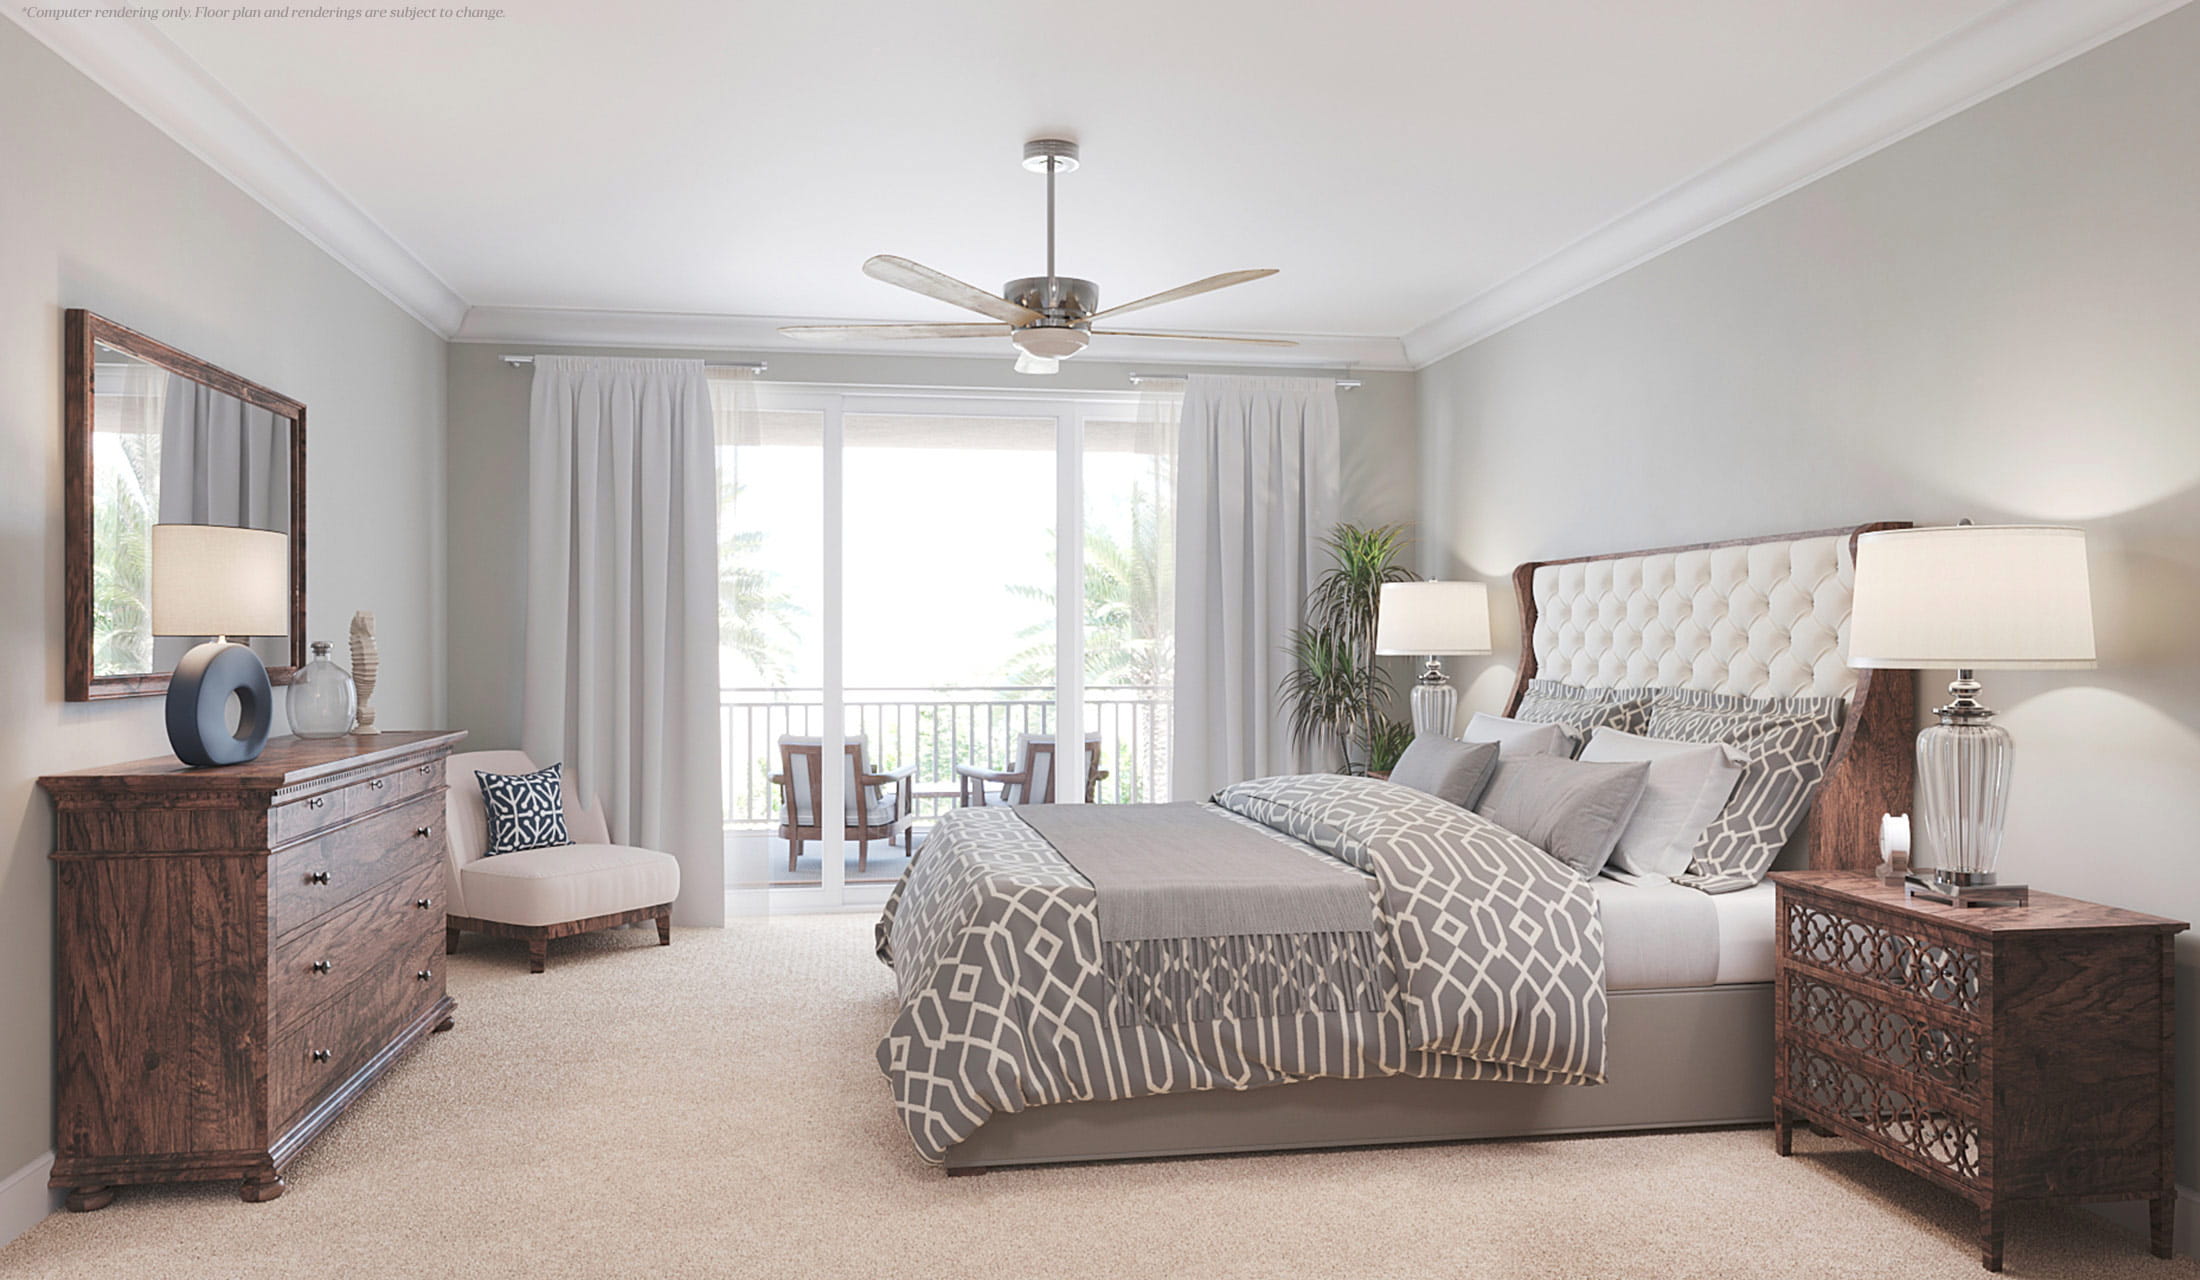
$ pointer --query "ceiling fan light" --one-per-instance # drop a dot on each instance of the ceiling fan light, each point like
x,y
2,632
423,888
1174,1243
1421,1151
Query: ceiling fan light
x,y
1051,342
1029,363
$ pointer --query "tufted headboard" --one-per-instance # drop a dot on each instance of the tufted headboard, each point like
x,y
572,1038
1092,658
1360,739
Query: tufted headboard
x,y
1762,617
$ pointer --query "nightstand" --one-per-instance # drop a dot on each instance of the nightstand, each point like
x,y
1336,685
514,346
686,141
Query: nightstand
x,y
2010,1054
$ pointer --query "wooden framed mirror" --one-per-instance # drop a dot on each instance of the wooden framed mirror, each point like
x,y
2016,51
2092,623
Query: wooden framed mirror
x,y
156,436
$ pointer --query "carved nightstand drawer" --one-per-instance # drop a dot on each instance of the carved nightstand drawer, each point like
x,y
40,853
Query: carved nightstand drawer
x,y
1918,961
2006,1053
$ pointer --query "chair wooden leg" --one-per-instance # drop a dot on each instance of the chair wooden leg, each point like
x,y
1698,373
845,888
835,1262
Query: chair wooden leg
x,y
794,852
538,954
863,855
664,928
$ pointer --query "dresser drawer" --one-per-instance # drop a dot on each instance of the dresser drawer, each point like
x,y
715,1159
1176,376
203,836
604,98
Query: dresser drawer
x,y
359,795
308,880
1938,1051
1913,963
368,935
323,1050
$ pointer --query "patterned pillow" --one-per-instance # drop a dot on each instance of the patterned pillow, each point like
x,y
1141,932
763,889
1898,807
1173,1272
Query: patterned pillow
x,y
526,810
1788,742
1577,710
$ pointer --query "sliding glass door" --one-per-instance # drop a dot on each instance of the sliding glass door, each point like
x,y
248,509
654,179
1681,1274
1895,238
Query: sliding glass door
x,y
908,608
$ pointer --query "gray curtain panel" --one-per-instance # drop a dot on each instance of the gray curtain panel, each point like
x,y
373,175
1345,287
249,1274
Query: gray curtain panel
x,y
621,658
1256,492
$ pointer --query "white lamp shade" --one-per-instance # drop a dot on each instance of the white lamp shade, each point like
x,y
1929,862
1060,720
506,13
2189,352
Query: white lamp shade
x,y
209,580
1433,618
1978,596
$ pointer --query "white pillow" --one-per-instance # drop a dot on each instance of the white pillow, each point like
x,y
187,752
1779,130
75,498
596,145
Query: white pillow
x,y
1689,785
1517,738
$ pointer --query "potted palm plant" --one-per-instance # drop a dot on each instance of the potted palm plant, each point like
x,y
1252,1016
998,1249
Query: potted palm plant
x,y
1336,694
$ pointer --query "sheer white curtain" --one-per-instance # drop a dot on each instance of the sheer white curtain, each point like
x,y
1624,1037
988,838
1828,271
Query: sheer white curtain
x,y
1256,491
735,424
621,667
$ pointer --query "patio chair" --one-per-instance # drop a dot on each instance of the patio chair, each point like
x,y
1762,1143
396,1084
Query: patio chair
x,y
1032,781
873,812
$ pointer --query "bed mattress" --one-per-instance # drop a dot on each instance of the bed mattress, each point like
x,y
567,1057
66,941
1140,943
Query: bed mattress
x,y
1665,935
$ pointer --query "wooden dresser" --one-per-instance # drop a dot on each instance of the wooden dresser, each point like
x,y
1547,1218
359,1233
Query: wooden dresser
x,y
2009,1054
240,951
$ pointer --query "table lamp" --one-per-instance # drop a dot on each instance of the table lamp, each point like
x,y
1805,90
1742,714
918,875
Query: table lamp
x,y
1969,597
210,580
1433,619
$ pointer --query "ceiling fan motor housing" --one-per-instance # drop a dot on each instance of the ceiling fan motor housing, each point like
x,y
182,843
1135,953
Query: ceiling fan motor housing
x,y
1061,298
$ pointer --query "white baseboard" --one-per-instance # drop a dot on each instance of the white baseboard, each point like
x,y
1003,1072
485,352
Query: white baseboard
x,y
25,1200
2131,1215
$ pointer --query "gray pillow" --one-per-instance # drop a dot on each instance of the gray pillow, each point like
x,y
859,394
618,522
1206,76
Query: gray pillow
x,y
1580,709
1446,768
1570,809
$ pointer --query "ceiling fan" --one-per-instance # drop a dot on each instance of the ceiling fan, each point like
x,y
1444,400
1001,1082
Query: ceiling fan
x,y
1048,317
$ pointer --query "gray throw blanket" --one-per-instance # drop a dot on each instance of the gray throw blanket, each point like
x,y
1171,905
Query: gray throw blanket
x,y
1187,871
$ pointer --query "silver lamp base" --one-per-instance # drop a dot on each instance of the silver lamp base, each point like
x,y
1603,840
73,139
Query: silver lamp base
x,y
1966,889
1435,702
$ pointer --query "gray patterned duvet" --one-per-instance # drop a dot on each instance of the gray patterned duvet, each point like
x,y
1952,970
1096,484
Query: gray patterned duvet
x,y
1485,962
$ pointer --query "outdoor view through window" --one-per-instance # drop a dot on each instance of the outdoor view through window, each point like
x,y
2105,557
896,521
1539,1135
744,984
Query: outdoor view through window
x,y
948,599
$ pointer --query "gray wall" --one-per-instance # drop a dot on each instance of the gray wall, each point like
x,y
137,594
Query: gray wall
x,y
488,481
103,211
1996,318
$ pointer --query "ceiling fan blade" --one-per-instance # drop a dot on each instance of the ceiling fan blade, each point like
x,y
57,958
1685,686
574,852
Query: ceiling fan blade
x,y
834,332
1209,285
919,278
1198,337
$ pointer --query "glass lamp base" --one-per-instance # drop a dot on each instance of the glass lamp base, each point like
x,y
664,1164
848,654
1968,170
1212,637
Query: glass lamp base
x,y
1963,769
1435,706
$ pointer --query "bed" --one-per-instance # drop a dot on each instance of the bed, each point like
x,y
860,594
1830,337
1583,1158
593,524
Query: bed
x,y
1672,1031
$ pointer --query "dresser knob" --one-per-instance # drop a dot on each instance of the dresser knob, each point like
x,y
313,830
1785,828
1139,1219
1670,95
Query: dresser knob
x,y
316,877
425,903
321,966
320,1055
378,783
425,974
316,802
422,832
424,770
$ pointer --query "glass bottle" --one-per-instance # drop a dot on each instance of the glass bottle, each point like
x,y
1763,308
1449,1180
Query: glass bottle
x,y
321,699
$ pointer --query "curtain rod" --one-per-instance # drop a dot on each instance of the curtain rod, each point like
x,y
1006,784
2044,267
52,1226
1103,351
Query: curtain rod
x,y
1343,384
755,365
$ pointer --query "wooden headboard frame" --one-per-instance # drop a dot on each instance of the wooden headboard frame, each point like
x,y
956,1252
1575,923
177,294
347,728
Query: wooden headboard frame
x,y
1872,769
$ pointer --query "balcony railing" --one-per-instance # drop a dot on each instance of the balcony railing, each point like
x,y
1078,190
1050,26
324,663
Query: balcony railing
x,y
937,729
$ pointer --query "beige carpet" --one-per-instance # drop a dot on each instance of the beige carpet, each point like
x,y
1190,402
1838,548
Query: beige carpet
x,y
713,1110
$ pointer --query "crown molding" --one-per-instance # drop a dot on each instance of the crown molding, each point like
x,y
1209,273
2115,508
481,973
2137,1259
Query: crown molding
x,y
567,327
133,61
1998,51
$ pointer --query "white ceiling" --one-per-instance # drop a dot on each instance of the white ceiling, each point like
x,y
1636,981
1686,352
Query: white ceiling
x,y
1396,160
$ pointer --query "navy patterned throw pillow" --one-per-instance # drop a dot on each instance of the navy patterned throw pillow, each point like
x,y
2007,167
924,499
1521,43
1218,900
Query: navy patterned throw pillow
x,y
526,810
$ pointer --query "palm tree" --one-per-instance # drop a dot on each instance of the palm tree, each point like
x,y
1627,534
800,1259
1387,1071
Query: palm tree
x,y
1130,597
757,619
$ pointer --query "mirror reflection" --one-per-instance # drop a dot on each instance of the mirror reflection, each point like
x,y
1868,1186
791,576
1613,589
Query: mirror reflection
x,y
168,450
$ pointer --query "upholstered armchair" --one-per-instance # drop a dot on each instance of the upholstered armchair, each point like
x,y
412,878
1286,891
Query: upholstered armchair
x,y
1030,780
539,894
878,805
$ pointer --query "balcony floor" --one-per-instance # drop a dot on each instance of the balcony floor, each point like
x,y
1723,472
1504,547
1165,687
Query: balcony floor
x,y
886,864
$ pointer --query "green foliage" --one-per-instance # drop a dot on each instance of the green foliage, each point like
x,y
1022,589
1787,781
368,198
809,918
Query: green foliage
x,y
1392,737
1336,690
1129,599
122,562
756,617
